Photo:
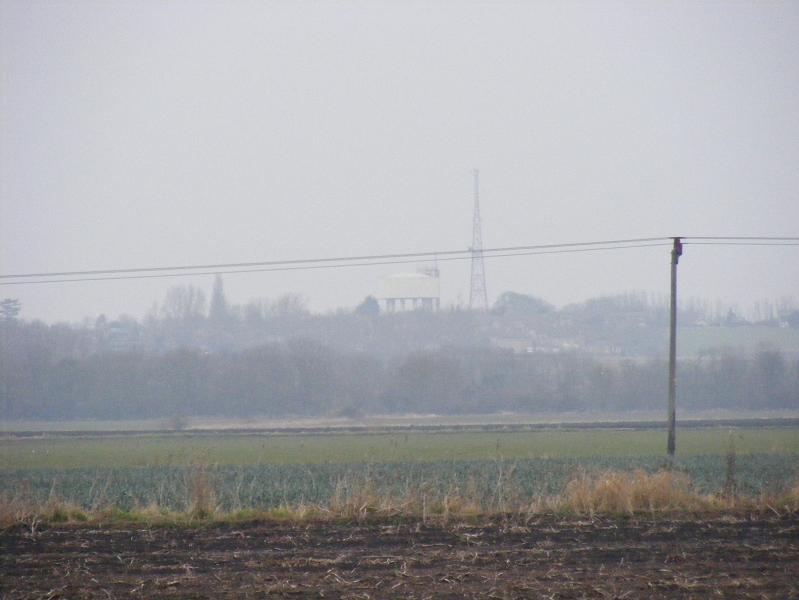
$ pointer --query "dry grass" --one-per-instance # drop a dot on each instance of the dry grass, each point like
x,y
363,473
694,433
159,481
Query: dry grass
x,y
201,495
363,498
790,501
615,493
53,511
608,493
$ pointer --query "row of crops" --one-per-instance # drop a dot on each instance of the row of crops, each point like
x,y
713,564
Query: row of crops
x,y
487,482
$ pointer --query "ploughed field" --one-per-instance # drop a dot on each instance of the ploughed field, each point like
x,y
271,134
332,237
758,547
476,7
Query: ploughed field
x,y
741,556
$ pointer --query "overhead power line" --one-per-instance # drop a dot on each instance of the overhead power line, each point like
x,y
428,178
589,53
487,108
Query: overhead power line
x,y
339,259
760,238
743,243
310,267
158,272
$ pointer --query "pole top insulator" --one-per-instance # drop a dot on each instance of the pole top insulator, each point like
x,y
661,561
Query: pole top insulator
x,y
677,249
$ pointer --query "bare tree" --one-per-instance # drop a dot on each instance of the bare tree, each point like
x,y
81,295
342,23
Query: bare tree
x,y
183,303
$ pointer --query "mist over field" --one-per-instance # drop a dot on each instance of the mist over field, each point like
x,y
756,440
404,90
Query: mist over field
x,y
250,137
153,134
275,359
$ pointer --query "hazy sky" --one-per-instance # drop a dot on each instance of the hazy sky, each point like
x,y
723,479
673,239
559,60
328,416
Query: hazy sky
x,y
146,133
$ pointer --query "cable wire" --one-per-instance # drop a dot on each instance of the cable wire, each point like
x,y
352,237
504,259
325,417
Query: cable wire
x,y
325,259
386,259
331,266
742,243
759,238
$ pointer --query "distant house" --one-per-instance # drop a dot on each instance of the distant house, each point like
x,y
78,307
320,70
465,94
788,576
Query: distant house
x,y
410,291
120,336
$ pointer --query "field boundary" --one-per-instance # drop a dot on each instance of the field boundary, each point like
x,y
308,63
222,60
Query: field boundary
x,y
412,428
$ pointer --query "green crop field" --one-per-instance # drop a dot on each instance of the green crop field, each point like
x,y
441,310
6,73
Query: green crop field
x,y
284,470
144,451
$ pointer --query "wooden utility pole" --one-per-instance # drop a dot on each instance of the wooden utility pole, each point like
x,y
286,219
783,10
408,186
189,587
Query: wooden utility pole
x,y
676,252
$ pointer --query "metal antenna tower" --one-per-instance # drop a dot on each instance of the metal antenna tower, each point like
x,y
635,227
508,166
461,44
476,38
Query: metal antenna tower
x,y
478,297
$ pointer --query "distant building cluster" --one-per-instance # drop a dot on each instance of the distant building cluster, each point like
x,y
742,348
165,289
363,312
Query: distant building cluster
x,y
124,335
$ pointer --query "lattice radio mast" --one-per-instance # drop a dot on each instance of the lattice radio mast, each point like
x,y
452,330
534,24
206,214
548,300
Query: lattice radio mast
x,y
478,297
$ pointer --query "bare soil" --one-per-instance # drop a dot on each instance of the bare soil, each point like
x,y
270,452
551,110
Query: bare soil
x,y
752,556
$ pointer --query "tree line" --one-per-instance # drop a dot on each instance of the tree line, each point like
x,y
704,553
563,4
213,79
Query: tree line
x,y
305,378
188,357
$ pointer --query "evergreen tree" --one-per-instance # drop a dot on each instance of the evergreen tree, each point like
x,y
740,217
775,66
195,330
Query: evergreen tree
x,y
9,309
218,312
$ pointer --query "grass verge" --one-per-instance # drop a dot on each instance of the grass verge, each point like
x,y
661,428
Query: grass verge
x,y
605,493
